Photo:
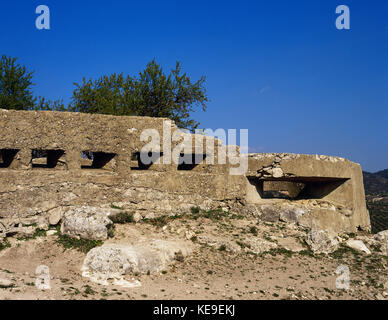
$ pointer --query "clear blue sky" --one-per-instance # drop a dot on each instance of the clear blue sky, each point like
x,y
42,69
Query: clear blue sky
x,y
278,68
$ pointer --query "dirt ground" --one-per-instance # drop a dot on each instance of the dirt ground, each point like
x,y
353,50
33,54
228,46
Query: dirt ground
x,y
209,273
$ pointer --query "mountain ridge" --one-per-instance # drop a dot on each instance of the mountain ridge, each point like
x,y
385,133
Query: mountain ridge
x,y
376,183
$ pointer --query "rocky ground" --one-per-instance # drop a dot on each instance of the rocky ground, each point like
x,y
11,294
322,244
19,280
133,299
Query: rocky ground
x,y
228,258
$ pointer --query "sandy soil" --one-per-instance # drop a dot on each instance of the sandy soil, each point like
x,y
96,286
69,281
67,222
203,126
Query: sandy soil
x,y
209,273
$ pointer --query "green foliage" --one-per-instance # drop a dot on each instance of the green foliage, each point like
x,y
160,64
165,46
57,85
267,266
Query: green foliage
x,y
15,85
122,217
158,222
116,207
376,190
343,251
82,245
4,244
37,233
280,251
49,105
214,214
7,286
242,244
111,231
307,253
222,248
253,230
152,93
88,290
378,215
195,210
376,183
16,89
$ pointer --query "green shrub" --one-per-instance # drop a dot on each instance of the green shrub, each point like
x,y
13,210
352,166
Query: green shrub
x,y
222,247
195,210
158,222
4,244
122,217
83,245
253,230
37,233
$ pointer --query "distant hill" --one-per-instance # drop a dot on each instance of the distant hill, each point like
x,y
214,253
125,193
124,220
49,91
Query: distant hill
x,y
383,173
376,190
376,183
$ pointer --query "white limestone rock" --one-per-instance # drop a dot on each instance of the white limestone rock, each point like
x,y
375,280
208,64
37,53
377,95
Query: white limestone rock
x,y
321,241
358,245
86,222
382,239
115,262
5,283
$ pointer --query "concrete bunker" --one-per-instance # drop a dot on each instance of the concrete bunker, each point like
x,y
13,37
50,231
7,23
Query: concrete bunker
x,y
111,147
295,188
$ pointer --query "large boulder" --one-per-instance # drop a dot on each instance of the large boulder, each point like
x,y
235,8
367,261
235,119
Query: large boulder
x,y
321,241
86,222
269,213
382,239
118,261
291,214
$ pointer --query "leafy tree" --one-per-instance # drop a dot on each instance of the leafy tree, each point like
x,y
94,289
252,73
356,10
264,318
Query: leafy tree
x,y
152,93
15,85
15,89
49,105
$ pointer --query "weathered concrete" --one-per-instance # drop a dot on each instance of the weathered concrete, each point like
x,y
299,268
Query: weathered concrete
x,y
328,179
42,171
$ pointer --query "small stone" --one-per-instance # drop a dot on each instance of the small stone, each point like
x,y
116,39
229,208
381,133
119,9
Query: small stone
x,y
137,217
51,232
4,283
358,245
189,235
55,216
277,172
